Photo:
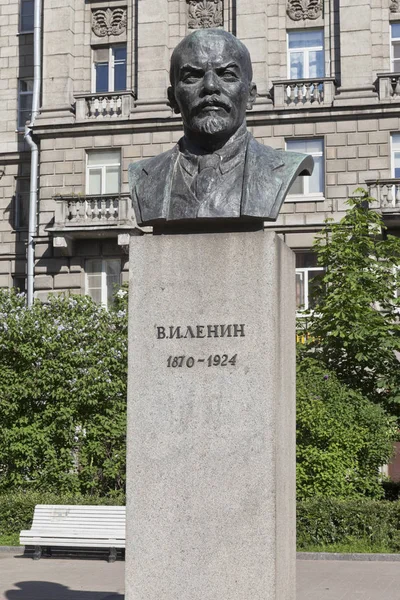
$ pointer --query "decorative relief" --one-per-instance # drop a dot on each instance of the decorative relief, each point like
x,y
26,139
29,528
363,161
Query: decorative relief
x,y
394,6
205,13
109,21
304,9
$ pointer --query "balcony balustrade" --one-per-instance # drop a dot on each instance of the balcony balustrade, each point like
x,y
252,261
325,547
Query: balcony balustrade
x,y
387,194
303,93
74,212
388,85
104,106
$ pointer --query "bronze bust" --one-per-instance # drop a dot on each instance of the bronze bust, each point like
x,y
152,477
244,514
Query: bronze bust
x,y
217,170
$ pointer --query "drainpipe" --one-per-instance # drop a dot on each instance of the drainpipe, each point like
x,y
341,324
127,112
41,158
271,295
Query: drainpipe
x,y
33,195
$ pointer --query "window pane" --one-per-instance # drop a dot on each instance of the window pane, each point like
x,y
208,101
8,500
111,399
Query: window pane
x,y
297,187
101,77
113,271
312,285
306,146
396,50
27,15
296,65
119,53
306,39
95,295
119,76
26,85
104,157
316,181
395,30
299,289
94,265
25,102
94,181
101,55
306,259
113,268
316,64
396,164
112,180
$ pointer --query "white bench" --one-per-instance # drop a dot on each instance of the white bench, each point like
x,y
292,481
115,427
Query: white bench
x,y
81,526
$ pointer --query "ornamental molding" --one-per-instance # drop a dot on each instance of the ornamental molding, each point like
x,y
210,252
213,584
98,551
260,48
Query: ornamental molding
x,y
304,9
109,21
203,14
394,6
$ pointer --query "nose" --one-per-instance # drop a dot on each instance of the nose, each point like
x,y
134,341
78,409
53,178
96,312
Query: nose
x,y
210,83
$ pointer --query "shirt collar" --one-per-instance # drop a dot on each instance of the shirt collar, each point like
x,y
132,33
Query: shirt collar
x,y
230,155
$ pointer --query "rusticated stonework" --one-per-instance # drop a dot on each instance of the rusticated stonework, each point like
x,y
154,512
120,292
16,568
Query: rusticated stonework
x,y
304,9
205,13
109,21
395,6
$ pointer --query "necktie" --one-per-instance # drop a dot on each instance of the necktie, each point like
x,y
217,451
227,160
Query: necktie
x,y
205,181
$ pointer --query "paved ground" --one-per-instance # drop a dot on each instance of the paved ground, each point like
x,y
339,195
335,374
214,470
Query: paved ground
x,y
64,579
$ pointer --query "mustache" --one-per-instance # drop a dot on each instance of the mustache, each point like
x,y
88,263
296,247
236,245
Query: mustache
x,y
210,101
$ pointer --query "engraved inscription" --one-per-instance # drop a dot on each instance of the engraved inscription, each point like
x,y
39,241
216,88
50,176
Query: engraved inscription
x,y
199,331
214,360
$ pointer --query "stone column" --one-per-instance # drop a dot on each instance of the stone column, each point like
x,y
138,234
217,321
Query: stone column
x,y
58,61
355,54
211,418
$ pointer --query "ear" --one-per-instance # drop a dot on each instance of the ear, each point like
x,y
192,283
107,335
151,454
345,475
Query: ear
x,y
252,95
172,100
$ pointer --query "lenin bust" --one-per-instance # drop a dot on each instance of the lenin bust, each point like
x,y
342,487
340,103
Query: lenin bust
x,y
217,170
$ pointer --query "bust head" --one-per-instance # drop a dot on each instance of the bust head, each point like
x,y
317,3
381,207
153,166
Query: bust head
x,y
211,85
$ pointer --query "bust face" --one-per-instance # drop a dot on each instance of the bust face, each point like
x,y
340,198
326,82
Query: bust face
x,y
211,84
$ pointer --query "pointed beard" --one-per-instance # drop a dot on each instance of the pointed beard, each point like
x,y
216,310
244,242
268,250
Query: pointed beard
x,y
211,125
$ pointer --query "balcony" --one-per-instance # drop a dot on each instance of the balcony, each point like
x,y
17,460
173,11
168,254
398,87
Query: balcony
x,y
105,106
387,195
388,87
92,216
303,93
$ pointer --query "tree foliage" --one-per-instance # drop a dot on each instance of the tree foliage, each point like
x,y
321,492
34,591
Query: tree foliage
x,y
354,328
342,437
63,368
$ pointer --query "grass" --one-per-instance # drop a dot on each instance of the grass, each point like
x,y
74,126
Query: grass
x,y
11,539
354,546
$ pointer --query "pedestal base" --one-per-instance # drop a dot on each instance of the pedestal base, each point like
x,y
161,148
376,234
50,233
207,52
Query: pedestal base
x,y
211,418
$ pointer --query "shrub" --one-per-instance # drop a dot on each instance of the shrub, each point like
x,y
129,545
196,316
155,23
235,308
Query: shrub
x,y
342,437
328,521
63,368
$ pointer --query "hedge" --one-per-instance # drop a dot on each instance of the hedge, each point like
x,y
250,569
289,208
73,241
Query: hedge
x,y
16,509
325,521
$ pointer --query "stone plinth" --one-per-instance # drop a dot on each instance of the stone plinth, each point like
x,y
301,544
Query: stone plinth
x,y
211,418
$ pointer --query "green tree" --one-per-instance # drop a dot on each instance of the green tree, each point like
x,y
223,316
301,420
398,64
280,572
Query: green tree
x,y
342,437
63,368
354,328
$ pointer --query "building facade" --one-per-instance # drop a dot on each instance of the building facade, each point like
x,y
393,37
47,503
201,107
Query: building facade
x,y
328,78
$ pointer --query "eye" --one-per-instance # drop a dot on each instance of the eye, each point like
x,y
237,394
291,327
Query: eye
x,y
191,77
229,76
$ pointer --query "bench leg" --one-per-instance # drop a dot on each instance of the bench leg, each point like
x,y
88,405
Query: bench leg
x,y
38,553
113,555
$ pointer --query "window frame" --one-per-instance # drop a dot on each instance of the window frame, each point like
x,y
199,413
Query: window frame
x,y
393,41
393,151
308,196
103,275
20,29
289,51
103,168
111,68
20,94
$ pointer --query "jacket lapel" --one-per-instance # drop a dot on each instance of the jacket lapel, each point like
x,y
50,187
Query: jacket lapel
x,y
262,180
153,186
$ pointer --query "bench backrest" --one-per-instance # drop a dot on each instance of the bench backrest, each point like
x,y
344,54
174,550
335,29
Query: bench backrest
x,y
74,515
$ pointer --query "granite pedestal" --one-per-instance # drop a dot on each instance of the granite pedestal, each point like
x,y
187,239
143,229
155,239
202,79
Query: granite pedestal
x,y
211,418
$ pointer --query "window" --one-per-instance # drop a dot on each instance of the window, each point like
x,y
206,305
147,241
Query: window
x,y
304,187
26,16
306,270
306,54
109,69
396,155
103,172
25,93
21,206
395,47
19,283
103,277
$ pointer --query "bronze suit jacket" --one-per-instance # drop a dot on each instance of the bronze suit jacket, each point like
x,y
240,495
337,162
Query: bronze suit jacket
x,y
268,175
